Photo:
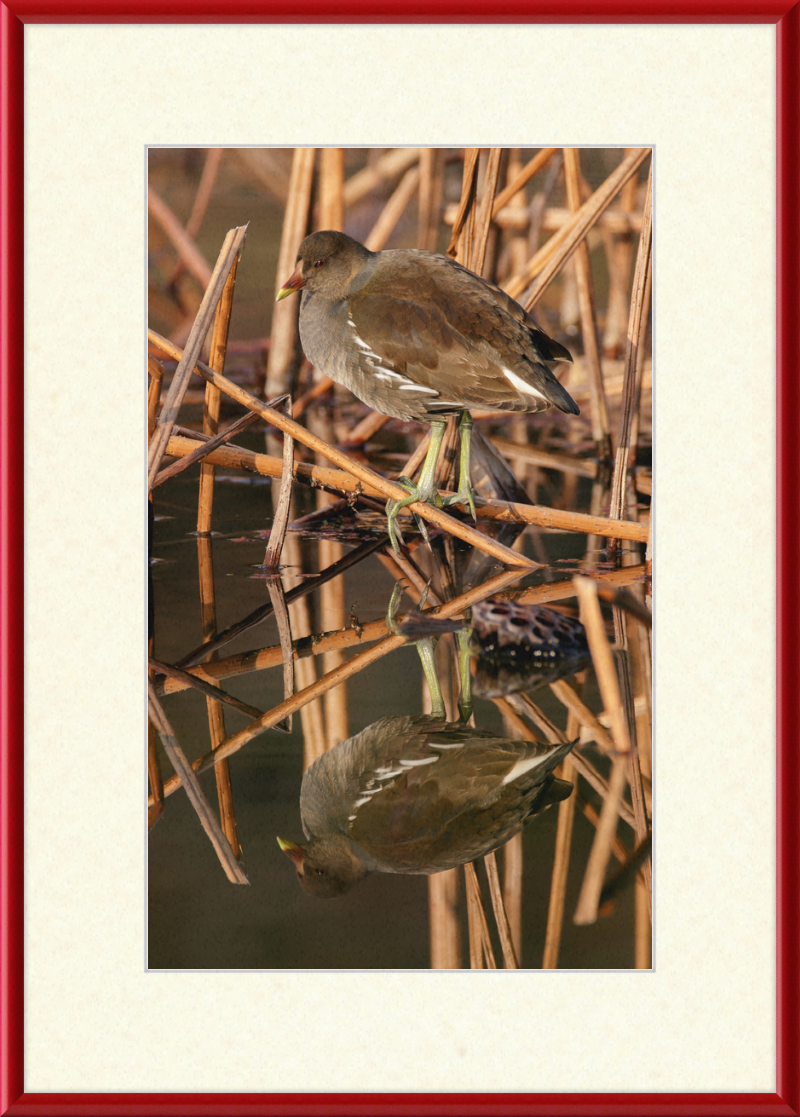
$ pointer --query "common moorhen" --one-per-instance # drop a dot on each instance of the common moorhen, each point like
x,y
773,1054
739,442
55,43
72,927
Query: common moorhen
x,y
417,336
417,795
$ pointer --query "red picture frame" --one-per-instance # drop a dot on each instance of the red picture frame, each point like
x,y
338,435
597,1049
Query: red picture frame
x,y
13,16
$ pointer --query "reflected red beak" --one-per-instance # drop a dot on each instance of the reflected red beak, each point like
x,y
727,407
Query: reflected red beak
x,y
296,852
292,284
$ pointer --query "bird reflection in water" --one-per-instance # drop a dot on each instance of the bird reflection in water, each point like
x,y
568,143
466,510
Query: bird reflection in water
x,y
421,794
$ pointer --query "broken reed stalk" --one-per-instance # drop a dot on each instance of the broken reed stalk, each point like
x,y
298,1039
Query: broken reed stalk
x,y
183,243
351,667
349,481
386,489
216,360
205,448
503,928
205,503
552,256
214,708
180,381
583,276
202,681
480,944
184,771
637,327
280,516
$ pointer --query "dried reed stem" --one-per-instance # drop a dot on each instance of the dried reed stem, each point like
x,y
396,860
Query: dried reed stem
x,y
216,360
541,159
278,599
388,167
480,944
185,773
180,381
443,921
465,208
503,928
637,326
350,481
552,256
431,185
188,252
206,447
583,275
484,219
280,516
603,660
283,334
588,900
558,884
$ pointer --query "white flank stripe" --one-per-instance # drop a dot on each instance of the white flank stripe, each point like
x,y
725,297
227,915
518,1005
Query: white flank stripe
x,y
418,388
521,767
416,763
518,383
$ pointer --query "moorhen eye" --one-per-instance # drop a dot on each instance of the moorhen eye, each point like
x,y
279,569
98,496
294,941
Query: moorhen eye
x,y
319,264
320,872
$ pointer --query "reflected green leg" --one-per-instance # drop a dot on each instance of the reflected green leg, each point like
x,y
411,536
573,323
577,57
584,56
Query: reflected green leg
x,y
425,651
423,492
465,494
465,678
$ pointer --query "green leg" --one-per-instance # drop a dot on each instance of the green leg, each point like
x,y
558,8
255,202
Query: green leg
x,y
465,494
464,656
425,651
424,491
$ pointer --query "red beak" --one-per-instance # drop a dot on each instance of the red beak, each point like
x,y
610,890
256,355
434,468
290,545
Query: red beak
x,y
296,852
292,284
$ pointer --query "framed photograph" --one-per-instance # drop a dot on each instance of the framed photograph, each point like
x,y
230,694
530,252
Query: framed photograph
x,y
486,137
